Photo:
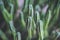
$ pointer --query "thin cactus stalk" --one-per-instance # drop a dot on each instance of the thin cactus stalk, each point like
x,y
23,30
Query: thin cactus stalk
x,y
36,19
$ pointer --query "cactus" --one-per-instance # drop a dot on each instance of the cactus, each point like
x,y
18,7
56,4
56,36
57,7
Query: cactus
x,y
34,19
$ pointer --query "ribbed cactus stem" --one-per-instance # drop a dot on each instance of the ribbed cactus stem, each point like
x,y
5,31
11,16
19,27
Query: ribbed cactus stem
x,y
30,28
47,23
19,35
12,29
37,15
31,12
22,19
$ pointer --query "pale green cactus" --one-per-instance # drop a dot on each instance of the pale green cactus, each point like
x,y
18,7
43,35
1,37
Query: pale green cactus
x,y
35,16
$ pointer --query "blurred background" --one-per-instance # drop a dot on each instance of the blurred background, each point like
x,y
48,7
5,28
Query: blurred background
x,y
29,19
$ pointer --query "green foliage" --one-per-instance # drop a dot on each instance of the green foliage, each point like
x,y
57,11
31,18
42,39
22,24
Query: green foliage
x,y
35,18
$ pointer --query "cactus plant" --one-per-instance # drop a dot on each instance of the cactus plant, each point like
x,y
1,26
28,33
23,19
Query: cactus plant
x,y
35,19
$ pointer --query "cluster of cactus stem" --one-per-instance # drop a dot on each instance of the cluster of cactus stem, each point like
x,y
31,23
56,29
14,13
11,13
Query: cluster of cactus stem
x,y
32,18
